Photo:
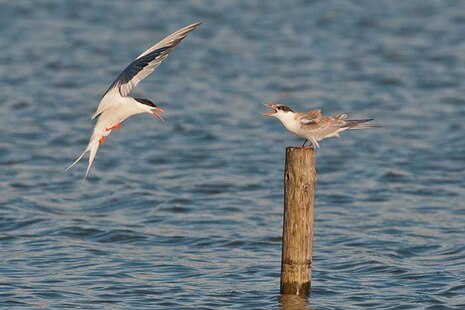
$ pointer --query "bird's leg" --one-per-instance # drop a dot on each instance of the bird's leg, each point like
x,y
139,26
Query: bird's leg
x,y
117,126
102,140
303,145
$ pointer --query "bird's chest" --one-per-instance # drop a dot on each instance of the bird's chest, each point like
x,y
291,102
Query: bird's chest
x,y
292,125
122,112
114,116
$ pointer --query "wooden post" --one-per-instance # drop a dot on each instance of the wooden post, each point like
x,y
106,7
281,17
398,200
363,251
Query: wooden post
x,y
299,195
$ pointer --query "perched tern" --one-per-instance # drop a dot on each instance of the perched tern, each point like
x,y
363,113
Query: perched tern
x,y
116,106
313,125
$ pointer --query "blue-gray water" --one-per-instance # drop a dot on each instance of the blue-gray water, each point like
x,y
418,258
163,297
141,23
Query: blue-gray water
x,y
188,213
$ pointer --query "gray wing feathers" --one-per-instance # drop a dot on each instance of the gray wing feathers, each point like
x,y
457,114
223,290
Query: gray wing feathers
x,y
360,124
148,61
308,121
312,117
175,36
320,127
138,70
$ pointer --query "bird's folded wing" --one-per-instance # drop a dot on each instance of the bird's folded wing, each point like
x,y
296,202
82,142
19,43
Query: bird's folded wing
x,y
323,126
325,129
145,64
312,118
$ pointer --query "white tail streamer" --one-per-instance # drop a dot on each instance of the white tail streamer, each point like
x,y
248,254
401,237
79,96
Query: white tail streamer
x,y
92,148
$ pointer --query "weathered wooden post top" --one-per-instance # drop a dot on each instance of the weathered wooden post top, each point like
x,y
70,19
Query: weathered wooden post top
x,y
299,196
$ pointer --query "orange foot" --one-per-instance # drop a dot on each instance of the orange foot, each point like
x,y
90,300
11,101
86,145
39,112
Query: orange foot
x,y
102,140
117,126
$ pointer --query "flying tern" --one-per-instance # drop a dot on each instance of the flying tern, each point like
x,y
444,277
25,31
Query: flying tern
x,y
116,106
313,125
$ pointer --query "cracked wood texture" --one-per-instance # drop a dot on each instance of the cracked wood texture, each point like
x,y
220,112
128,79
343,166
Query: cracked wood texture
x,y
299,195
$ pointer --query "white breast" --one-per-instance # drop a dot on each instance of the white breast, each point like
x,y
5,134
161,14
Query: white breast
x,y
116,114
291,124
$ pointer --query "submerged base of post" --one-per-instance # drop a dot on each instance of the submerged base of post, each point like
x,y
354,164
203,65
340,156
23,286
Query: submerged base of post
x,y
299,195
299,289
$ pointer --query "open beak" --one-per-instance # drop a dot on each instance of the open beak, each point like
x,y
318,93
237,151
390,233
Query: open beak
x,y
271,107
154,112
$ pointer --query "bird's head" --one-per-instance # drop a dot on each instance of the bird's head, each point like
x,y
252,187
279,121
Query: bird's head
x,y
150,107
279,110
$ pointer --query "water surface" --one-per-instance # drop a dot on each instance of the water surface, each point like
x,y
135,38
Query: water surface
x,y
188,213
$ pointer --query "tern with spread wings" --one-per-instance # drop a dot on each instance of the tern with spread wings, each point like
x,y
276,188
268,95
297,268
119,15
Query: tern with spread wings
x,y
116,106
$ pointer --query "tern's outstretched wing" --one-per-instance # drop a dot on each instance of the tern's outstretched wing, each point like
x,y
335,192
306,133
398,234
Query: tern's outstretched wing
x,y
148,61
145,64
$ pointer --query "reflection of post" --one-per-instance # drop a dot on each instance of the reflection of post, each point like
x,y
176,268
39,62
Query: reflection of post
x,y
299,194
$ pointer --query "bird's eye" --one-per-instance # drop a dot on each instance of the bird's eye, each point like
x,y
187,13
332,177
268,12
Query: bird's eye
x,y
278,108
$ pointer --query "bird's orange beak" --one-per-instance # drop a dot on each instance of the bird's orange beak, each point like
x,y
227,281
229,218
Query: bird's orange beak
x,y
154,112
271,107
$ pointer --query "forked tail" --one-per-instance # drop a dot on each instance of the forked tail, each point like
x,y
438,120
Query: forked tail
x,y
360,124
92,148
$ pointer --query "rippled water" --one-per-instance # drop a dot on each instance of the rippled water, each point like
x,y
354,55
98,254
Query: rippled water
x,y
187,214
